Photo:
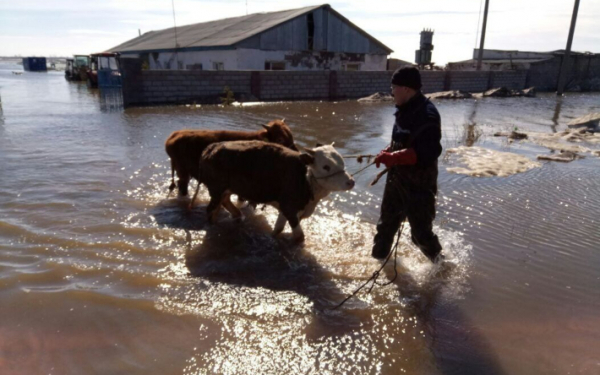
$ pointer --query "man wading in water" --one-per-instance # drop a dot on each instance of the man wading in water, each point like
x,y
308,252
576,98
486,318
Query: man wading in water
x,y
411,184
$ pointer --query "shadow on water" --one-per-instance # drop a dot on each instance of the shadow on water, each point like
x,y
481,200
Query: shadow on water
x,y
454,341
175,213
243,253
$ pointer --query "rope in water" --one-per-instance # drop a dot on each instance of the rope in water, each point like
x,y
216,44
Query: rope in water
x,y
359,158
376,274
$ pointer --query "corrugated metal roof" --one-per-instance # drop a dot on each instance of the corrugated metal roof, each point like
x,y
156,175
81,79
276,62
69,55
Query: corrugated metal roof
x,y
214,34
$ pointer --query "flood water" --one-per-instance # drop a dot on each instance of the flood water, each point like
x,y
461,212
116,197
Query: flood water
x,y
101,273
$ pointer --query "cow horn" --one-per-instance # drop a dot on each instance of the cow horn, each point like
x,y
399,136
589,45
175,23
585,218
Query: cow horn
x,y
283,119
332,143
265,126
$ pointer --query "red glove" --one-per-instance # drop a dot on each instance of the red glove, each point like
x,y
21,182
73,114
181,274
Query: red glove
x,y
402,157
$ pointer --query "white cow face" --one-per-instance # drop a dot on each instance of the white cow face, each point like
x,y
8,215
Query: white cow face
x,y
328,169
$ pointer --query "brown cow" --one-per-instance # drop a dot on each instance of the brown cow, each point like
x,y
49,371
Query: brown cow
x,y
268,173
185,147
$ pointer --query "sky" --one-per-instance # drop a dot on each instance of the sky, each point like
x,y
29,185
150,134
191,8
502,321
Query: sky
x,y
67,27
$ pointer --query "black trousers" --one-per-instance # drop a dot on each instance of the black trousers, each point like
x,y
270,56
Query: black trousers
x,y
403,199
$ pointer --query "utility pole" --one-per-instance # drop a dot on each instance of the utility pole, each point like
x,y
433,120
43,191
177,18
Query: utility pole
x,y
562,76
482,42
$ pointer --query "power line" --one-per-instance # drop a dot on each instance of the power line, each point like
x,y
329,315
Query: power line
x,y
175,29
174,22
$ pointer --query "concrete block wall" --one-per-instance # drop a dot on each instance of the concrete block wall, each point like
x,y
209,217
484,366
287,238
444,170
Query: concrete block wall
x,y
468,81
360,84
173,86
433,81
514,80
293,85
143,87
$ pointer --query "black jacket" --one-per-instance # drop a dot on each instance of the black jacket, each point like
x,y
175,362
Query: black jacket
x,y
418,125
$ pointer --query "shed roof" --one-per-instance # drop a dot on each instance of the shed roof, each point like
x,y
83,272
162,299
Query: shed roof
x,y
220,33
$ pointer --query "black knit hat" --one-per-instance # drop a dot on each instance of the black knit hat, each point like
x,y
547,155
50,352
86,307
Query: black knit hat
x,y
407,76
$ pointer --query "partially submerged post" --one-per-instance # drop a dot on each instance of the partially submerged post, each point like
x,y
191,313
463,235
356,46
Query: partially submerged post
x,y
566,57
482,42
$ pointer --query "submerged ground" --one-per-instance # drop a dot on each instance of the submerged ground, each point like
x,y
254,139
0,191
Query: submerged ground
x,y
101,273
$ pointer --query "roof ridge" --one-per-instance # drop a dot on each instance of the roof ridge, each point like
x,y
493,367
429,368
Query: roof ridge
x,y
249,16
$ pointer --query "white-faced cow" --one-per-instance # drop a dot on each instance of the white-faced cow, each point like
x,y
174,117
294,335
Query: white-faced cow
x,y
261,172
185,147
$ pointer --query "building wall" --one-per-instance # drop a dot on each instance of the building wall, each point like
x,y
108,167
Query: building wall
x,y
187,60
331,34
491,54
487,66
254,59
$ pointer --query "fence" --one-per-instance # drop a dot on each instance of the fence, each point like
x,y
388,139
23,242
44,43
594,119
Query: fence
x,y
148,87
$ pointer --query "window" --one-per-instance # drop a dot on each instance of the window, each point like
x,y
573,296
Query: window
x,y
196,66
274,65
352,67
103,62
218,66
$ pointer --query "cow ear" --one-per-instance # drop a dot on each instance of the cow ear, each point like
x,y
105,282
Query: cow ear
x,y
307,159
308,151
319,144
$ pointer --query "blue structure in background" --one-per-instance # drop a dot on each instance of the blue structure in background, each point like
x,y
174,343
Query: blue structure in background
x,y
34,64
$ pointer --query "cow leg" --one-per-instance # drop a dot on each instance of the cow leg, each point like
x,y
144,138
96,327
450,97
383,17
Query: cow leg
x,y
233,210
279,224
172,186
182,183
191,205
297,233
214,206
